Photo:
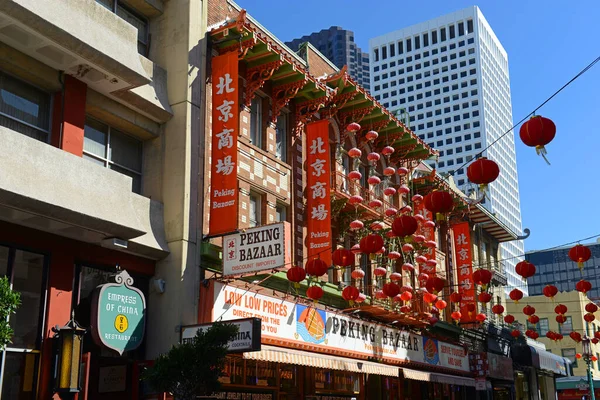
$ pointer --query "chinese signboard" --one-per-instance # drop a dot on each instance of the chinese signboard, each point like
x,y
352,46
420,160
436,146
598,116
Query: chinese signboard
x,y
257,249
247,338
287,323
429,234
318,182
119,315
463,259
225,127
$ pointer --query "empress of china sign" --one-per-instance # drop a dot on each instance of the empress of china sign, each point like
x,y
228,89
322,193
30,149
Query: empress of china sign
x,y
119,314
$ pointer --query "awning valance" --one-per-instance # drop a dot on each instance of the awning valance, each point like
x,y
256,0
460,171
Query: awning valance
x,y
290,356
439,378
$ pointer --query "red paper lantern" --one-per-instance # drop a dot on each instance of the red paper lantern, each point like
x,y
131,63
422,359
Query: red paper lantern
x,y
388,151
435,284
358,274
374,180
482,277
576,336
471,308
404,225
483,172
314,292
595,340
455,297
589,317
578,356
597,334
509,319
371,244
353,127
515,333
484,297
394,255
456,315
528,310
439,202
356,225
559,336
391,289
538,132
550,291
591,308
594,358
350,293
421,259
354,175
380,271
405,309
354,153
534,335
316,267
534,319
525,269
441,304
296,275
342,257
406,288
371,135
515,295
529,332
580,254
480,317
429,297
408,267
551,335
560,309
395,277
561,319
406,296
498,309
583,286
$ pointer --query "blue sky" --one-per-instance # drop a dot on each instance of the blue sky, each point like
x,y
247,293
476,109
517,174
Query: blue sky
x,y
548,42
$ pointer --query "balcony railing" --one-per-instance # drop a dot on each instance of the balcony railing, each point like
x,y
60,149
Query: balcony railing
x,y
344,187
499,276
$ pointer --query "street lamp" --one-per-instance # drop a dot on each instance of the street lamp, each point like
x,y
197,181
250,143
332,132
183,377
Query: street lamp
x,y
69,346
589,358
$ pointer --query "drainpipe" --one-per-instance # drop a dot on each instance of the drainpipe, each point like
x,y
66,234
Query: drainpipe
x,y
61,79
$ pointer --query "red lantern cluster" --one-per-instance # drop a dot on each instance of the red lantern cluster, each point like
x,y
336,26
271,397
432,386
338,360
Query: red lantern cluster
x,y
580,254
483,172
525,269
439,202
538,132
576,336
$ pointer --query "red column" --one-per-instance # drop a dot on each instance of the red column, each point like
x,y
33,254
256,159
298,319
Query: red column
x,y
60,288
72,118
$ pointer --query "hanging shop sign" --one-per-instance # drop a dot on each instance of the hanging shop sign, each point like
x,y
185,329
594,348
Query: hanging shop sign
x,y
463,259
318,185
225,129
286,323
429,234
246,340
257,249
119,314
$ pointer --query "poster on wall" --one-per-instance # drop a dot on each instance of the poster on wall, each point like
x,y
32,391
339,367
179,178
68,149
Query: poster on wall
x,y
318,186
463,259
288,324
225,129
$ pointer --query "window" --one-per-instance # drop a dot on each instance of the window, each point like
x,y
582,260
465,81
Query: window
x,y
567,327
383,52
408,45
280,213
461,29
376,54
254,212
281,129
24,108
133,18
433,37
470,26
400,47
392,50
443,35
452,32
417,43
111,148
425,40
570,355
256,124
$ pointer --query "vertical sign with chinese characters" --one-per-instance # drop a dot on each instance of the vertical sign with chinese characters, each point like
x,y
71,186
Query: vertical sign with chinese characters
x,y
225,127
318,182
429,234
463,259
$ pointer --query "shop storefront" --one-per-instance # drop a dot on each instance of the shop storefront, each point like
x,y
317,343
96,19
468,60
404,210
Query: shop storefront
x,y
576,388
57,276
310,353
497,372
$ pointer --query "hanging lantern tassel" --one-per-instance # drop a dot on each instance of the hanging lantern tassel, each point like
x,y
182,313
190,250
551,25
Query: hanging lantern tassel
x,y
541,151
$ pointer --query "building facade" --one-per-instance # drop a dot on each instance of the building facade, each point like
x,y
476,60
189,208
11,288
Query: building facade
x,y
338,46
450,75
554,267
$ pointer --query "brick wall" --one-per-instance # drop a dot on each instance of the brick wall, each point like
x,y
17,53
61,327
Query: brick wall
x,y
317,64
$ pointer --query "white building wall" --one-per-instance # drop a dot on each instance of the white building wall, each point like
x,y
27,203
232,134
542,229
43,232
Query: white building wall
x,y
456,91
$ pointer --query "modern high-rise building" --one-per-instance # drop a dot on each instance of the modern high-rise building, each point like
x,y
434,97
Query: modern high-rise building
x,y
450,75
554,267
338,46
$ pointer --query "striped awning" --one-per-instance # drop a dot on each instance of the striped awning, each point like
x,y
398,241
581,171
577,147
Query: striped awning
x,y
439,378
290,356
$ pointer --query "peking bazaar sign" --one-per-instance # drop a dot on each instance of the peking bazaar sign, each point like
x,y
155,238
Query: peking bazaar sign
x,y
463,258
257,249
288,324
225,129
429,234
318,183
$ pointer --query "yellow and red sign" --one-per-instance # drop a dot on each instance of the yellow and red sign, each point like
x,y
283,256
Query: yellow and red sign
x,y
225,129
318,184
429,234
463,259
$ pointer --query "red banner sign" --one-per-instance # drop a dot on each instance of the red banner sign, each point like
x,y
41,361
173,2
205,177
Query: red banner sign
x,y
463,260
225,129
429,234
318,183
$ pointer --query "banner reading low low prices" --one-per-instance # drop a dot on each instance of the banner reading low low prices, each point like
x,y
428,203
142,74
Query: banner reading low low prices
x,y
225,128
318,183
429,234
463,259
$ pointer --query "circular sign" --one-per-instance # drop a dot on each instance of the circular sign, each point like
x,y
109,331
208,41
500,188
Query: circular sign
x,y
121,323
